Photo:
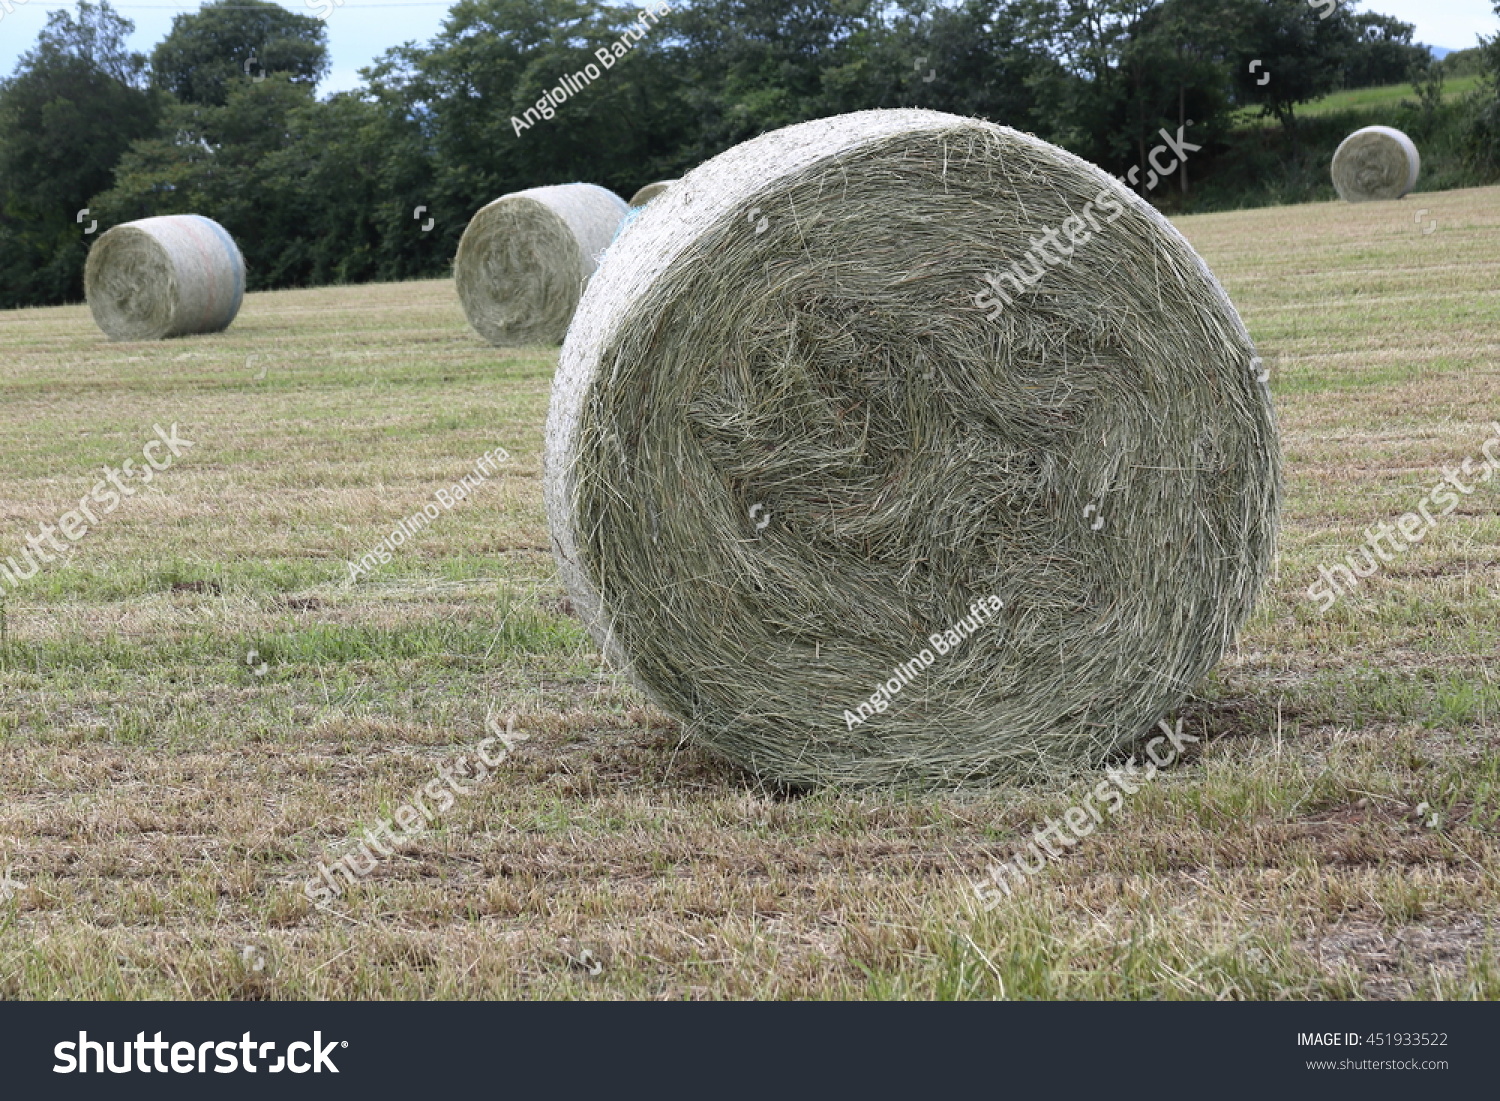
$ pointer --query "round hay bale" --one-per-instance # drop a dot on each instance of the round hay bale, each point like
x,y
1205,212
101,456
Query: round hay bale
x,y
525,258
163,277
795,457
649,192
1375,163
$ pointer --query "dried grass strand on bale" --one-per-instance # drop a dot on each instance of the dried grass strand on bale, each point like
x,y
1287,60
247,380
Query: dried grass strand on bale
x,y
176,275
1374,164
525,258
785,447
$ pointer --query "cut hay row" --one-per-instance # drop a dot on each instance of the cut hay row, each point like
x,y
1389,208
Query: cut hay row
x,y
851,528
164,277
525,258
1375,163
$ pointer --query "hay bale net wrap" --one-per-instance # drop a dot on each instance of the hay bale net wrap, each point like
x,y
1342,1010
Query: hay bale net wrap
x,y
162,277
524,259
1374,164
649,192
786,447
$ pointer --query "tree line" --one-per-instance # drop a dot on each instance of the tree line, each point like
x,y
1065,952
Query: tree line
x,y
222,118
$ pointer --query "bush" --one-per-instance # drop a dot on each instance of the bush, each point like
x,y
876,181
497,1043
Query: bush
x,y
1463,63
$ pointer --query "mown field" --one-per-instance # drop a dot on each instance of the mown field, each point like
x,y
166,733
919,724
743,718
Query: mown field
x,y
197,707
1385,97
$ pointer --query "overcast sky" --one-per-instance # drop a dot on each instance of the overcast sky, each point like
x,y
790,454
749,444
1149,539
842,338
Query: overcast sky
x,y
361,30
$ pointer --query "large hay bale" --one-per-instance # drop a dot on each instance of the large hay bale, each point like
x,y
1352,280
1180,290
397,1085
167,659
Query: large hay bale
x,y
789,444
1375,163
163,277
649,192
525,258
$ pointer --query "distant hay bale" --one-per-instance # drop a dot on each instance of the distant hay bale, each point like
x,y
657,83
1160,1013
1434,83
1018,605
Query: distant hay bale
x,y
1375,163
525,258
791,457
649,192
164,277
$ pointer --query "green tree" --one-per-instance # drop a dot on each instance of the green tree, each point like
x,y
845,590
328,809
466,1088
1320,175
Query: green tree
x,y
461,103
1087,93
757,65
1382,51
969,59
1177,79
1482,144
230,42
1305,50
213,160
73,105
